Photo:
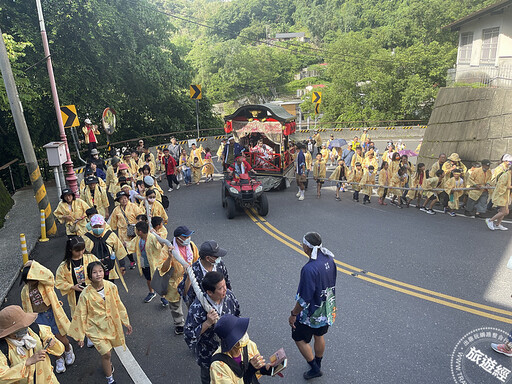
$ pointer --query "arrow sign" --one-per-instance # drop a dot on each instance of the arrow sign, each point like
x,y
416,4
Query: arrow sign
x,y
195,92
69,116
317,108
317,97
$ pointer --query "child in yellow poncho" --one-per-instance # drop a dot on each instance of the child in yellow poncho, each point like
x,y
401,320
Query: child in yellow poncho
x,y
368,178
398,180
71,212
196,170
100,315
208,165
453,183
319,173
95,196
156,209
25,361
417,181
340,174
501,195
355,177
383,183
38,296
435,182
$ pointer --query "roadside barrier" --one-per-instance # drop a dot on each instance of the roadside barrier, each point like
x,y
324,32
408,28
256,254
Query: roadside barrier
x,y
43,238
24,252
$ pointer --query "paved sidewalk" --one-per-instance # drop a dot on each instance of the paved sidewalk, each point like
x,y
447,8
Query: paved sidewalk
x,y
24,217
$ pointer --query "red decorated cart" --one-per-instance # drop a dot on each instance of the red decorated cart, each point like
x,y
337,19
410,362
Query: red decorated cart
x,y
263,130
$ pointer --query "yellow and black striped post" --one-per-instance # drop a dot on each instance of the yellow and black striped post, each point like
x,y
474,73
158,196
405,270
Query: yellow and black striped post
x,y
42,198
24,252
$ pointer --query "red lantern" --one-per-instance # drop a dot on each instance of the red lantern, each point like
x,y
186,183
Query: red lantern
x,y
228,127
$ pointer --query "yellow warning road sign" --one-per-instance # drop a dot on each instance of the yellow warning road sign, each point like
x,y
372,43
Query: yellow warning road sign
x,y
69,116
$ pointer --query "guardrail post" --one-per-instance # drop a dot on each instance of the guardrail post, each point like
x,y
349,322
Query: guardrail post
x,y
24,251
43,238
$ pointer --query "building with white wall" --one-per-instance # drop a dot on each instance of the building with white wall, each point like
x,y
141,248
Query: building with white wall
x,y
485,46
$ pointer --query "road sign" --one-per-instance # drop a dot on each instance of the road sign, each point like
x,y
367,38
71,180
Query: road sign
x,y
195,92
317,108
317,97
69,116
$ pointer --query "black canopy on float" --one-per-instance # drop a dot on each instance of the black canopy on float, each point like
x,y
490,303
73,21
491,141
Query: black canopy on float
x,y
261,111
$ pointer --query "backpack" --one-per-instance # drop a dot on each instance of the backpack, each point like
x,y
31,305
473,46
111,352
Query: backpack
x,y
102,250
4,347
165,201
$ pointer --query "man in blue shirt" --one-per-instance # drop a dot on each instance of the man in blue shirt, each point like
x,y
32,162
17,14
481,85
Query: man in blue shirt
x,y
315,306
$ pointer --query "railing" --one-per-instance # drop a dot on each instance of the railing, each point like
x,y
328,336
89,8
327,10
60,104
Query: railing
x,y
482,76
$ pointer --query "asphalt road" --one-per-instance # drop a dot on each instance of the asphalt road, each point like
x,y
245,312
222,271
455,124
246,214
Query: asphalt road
x,y
386,331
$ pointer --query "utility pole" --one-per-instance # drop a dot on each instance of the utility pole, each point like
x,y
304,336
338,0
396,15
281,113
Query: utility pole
x,y
197,117
25,140
70,172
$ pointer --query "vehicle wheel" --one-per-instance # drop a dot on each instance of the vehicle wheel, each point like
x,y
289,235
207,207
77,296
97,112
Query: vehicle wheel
x,y
230,207
263,205
223,195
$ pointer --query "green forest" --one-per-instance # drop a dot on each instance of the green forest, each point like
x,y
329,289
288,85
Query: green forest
x,y
376,59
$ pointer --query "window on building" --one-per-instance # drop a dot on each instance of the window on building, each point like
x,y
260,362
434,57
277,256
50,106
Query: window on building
x,y
465,47
489,45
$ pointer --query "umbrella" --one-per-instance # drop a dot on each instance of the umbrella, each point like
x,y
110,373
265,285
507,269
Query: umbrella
x,y
408,153
337,143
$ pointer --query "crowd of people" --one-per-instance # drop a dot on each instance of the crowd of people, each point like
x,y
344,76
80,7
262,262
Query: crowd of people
x,y
448,182
119,216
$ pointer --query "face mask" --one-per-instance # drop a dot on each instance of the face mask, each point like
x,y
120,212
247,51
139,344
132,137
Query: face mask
x,y
216,261
151,199
370,172
186,241
20,333
97,231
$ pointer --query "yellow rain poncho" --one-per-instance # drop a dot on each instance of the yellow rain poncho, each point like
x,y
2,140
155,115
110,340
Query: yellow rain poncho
x,y
64,279
100,199
220,373
501,195
383,181
370,161
415,183
481,178
100,319
450,184
157,209
46,286
430,183
16,372
101,183
367,179
397,181
309,160
118,221
153,251
355,177
77,211
356,159
319,170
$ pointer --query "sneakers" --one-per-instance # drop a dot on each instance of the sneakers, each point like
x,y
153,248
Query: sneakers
x,y
423,209
431,212
169,190
301,197
177,186
165,302
60,366
338,199
69,357
501,227
298,194
133,264
490,224
149,297
178,330
452,214
89,343
502,348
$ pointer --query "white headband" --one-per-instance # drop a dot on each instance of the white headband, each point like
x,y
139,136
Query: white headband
x,y
315,249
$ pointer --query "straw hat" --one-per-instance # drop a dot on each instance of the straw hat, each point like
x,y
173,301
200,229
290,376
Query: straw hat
x,y
13,318
454,157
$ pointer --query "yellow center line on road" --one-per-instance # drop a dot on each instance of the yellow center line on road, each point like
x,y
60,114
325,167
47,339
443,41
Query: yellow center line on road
x,y
374,278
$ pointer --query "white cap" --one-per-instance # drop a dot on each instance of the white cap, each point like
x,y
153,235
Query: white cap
x,y
87,121
507,157
149,180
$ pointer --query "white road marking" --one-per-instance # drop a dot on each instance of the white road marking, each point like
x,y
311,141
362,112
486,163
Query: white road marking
x,y
132,367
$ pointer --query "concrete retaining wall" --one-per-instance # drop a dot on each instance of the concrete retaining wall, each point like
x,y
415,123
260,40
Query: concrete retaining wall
x,y
475,123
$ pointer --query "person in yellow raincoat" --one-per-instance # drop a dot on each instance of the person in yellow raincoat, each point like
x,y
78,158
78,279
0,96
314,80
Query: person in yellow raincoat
x,y
183,244
148,251
477,198
155,208
196,152
437,165
416,181
388,153
235,344
318,141
208,165
71,277
453,163
38,296
339,175
384,180
370,159
112,169
394,164
196,167
124,214
452,183
319,173
357,158
95,196
368,178
100,314
221,150
158,227
24,352
325,153
501,196
398,180
107,247
150,184
355,177
435,182
71,213
89,172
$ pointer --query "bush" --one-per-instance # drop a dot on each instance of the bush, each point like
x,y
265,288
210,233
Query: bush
x,y
6,203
